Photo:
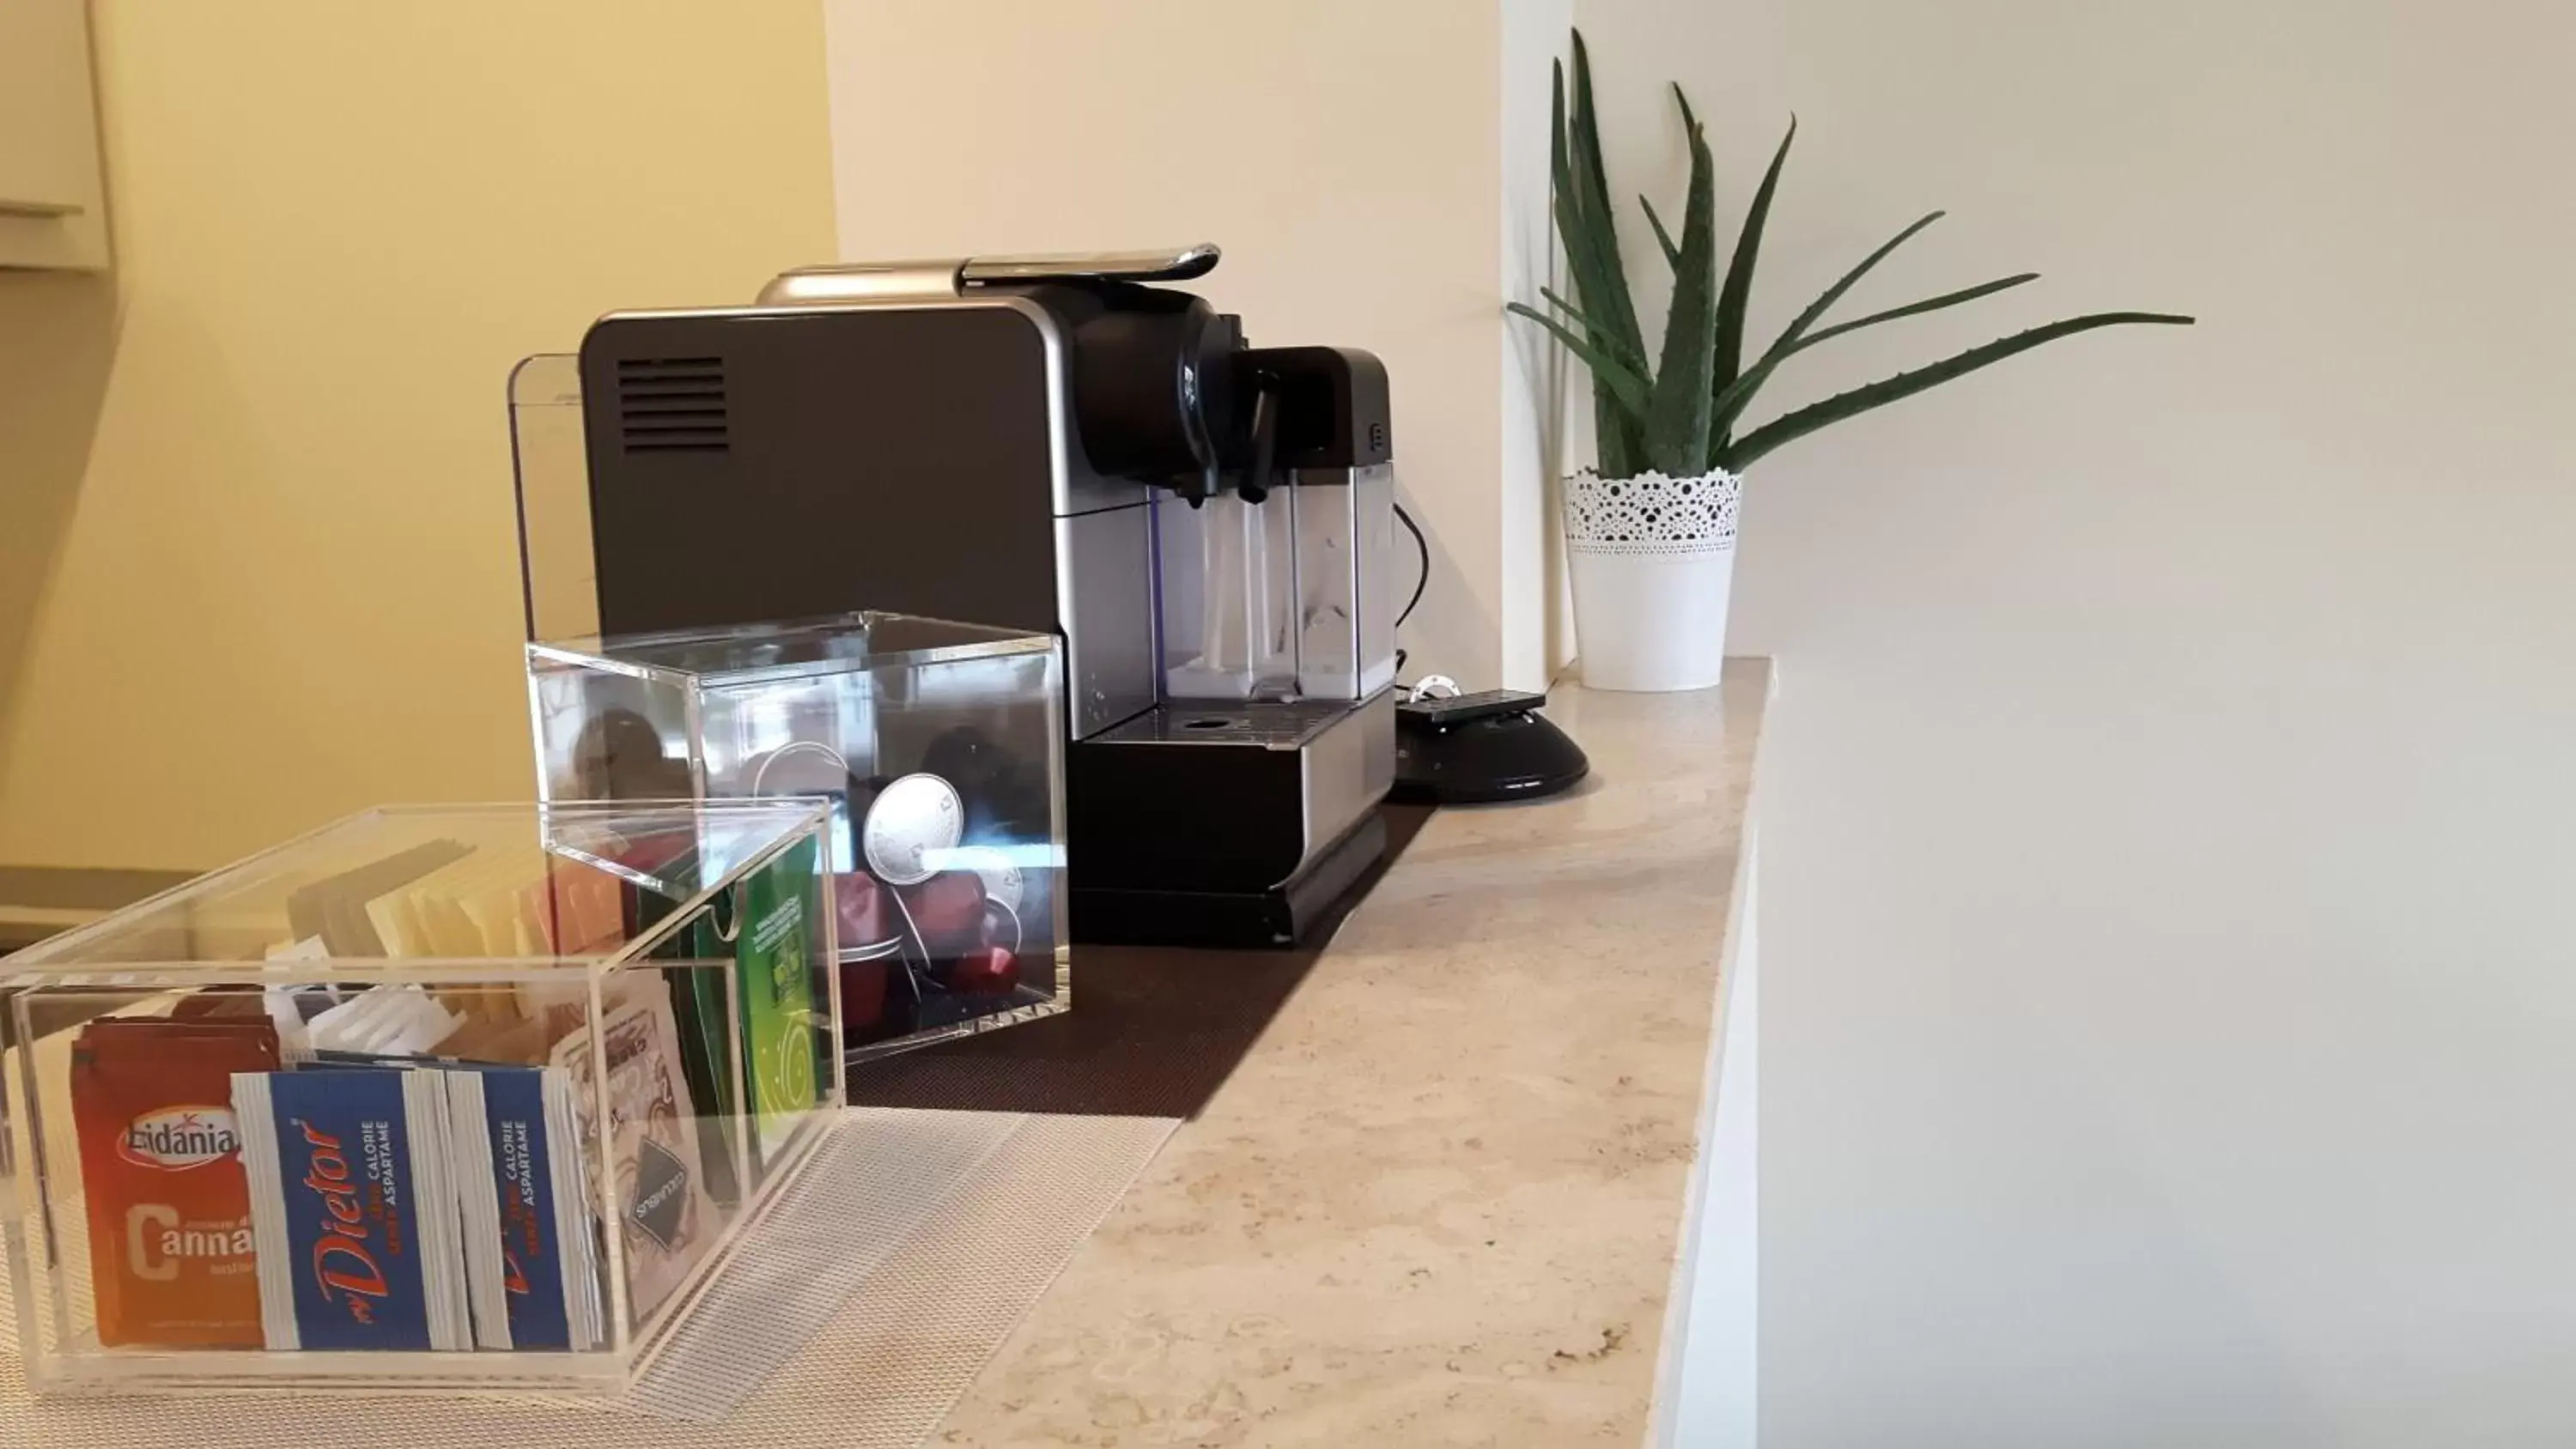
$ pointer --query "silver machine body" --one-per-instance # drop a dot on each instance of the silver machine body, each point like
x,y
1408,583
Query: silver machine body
x,y
1050,443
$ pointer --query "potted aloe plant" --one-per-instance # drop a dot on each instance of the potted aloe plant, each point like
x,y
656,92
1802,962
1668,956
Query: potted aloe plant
x,y
1650,531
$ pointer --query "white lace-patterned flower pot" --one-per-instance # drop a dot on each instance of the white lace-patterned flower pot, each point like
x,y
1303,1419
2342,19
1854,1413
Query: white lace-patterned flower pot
x,y
1653,559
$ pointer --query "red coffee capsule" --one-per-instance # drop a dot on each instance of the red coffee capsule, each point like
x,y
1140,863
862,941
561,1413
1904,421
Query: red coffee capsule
x,y
985,971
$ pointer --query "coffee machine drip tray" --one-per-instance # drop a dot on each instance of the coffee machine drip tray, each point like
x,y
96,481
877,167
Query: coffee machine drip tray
x,y
1227,822
1270,724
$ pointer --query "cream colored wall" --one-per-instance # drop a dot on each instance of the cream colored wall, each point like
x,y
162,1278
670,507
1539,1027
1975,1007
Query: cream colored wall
x,y
257,544
1346,154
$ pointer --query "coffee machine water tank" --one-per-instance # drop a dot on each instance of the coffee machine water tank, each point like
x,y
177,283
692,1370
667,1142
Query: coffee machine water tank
x,y
1291,596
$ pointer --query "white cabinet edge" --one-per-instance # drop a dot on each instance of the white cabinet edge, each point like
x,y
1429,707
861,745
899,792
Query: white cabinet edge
x,y
1706,1375
53,196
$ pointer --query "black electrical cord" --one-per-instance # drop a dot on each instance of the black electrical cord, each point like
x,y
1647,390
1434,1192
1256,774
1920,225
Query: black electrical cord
x,y
1421,546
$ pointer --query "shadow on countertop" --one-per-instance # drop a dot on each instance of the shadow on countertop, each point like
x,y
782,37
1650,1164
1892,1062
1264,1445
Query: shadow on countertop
x,y
1154,1031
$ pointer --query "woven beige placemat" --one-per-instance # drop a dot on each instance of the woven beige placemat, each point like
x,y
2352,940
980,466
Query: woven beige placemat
x,y
854,1316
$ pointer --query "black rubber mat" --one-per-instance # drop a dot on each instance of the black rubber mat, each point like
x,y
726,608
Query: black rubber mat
x,y
1154,1031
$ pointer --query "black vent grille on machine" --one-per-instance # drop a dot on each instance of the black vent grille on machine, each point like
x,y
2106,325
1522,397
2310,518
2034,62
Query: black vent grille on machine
x,y
672,404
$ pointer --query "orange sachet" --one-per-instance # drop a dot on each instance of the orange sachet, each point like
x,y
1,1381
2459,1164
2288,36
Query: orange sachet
x,y
171,1257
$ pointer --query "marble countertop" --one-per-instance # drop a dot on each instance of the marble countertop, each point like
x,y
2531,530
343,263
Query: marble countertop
x,y
1440,1201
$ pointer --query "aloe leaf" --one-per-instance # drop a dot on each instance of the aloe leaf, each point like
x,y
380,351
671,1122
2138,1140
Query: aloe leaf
x,y
1573,224
1610,425
1732,402
1736,389
1558,167
1816,310
1583,218
1621,381
1560,170
1677,418
1595,281
1737,294
1592,191
1663,238
1744,452
1917,309
1616,422
1636,362
1618,448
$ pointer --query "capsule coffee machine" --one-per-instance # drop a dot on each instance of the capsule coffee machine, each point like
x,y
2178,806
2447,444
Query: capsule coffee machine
x,y
1049,443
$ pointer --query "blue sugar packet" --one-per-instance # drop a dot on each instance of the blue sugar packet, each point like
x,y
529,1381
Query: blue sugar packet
x,y
353,1209
531,1266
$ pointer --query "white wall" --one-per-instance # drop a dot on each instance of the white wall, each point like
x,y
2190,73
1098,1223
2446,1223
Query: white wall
x,y
1348,155
2170,1021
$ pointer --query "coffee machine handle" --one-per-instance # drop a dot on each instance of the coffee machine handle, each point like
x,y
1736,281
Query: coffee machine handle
x,y
846,283
1169,264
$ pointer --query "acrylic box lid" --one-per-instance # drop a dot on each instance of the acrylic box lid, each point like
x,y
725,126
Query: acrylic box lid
x,y
796,649
521,886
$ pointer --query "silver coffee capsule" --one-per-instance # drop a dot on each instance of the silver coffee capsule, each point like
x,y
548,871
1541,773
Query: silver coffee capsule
x,y
911,825
1002,877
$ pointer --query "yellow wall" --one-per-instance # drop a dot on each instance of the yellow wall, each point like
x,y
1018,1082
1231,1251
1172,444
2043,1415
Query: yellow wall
x,y
258,557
